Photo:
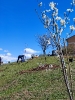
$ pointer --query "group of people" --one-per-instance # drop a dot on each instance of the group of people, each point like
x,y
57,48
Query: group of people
x,y
22,57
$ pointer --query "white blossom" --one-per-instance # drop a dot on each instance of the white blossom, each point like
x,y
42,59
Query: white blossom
x,y
73,2
48,41
70,10
55,13
47,22
44,11
58,18
48,10
52,5
72,28
62,22
53,35
45,26
74,19
56,10
68,18
40,4
61,30
43,15
68,35
56,23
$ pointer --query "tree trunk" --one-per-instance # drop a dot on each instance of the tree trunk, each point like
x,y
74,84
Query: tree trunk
x,y
44,52
63,66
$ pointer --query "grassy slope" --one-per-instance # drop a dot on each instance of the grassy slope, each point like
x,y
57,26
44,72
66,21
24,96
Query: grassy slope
x,y
41,85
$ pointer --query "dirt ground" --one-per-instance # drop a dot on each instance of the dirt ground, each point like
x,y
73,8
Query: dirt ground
x,y
40,68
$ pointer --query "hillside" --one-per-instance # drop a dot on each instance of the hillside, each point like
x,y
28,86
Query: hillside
x,y
26,81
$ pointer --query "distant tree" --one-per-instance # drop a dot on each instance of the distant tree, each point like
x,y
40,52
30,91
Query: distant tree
x,y
44,42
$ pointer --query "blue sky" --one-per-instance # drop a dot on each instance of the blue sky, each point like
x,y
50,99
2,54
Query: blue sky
x,y
19,24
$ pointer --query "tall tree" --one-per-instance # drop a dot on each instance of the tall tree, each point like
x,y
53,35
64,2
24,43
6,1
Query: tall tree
x,y
56,26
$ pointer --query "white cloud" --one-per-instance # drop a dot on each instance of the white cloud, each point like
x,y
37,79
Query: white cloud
x,y
6,51
1,49
29,52
8,54
28,56
6,58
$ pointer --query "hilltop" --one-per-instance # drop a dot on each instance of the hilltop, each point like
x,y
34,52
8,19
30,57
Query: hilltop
x,y
28,81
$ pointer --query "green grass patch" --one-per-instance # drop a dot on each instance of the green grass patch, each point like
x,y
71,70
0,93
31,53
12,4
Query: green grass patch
x,y
40,85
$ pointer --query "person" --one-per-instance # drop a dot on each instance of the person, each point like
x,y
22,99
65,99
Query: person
x,y
0,60
21,57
